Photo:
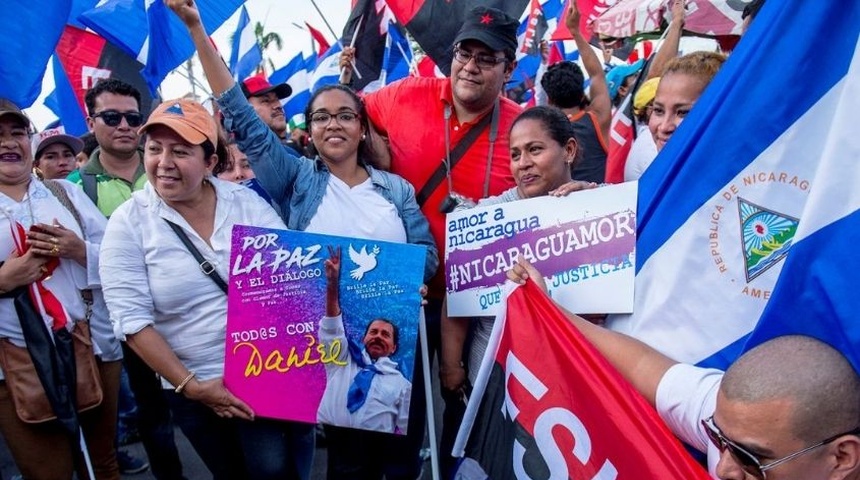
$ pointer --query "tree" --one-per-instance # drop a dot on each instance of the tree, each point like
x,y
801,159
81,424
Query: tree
x,y
265,40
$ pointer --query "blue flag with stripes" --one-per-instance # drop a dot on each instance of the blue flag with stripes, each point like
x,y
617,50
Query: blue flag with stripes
x,y
327,70
749,215
246,53
148,31
295,73
28,38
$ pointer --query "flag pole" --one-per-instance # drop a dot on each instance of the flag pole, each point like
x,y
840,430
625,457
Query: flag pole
x,y
428,395
314,3
344,75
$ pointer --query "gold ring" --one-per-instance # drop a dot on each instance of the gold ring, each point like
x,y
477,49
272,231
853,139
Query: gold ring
x,y
55,250
55,240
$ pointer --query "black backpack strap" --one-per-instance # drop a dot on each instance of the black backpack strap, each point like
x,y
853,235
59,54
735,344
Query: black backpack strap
x,y
205,265
90,184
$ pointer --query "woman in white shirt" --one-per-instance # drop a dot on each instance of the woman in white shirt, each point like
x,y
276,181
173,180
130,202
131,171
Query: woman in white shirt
x,y
51,256
172,313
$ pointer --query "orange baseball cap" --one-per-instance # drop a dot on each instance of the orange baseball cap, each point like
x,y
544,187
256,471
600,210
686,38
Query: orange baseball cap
x,y
185,117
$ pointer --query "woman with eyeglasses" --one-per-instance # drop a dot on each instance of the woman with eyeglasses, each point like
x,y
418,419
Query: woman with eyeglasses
x,y
336,193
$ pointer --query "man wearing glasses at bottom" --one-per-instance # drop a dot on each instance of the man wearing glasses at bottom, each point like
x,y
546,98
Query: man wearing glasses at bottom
x,y
788,409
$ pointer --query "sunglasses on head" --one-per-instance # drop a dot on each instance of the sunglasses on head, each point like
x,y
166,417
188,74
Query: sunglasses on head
x,y
113,118
749,461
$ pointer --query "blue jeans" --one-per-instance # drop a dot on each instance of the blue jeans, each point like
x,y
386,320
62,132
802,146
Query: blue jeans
x,y
233,448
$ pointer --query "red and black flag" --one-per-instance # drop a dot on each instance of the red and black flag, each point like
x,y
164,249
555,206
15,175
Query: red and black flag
x,y
369,24
435,23
547,404
80,60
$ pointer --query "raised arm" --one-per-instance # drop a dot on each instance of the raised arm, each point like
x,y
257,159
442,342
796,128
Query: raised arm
x,y
669,48
275,167
640,364
216,71
601,104
332,282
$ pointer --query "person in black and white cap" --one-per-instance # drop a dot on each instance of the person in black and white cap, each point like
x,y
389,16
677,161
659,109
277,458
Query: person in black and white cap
x,y
54,153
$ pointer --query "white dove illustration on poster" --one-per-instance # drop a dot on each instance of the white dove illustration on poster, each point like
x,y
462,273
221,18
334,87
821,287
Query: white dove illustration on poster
x,y
363,260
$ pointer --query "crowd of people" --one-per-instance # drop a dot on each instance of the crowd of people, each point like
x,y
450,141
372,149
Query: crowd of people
x,y
105,234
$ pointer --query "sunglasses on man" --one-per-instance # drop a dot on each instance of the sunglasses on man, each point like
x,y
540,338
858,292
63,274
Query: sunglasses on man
x,y
749,461
112,118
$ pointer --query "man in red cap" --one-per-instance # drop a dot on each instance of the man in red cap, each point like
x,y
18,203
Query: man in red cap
x,y
266,100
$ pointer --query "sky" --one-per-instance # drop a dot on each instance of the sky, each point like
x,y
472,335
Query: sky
x,y
285,17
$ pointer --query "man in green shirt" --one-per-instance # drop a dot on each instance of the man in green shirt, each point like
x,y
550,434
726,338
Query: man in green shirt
x,y
115,168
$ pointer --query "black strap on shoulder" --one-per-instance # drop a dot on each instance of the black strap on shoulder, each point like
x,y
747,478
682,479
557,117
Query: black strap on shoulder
x,y
205,265
456,154
90,185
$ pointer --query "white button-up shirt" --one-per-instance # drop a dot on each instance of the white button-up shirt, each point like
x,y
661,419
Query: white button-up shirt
x,y
150,277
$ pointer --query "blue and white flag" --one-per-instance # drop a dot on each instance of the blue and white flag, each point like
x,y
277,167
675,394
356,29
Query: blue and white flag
x,y
751,210
295,73
327,70
28,38
246,53
816,294
396,62
151,33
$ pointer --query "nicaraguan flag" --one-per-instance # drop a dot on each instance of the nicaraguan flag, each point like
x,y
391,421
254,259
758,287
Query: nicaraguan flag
x,y
816,294
295,73
751,211
151,33
28,39
246,53
396,61
327,70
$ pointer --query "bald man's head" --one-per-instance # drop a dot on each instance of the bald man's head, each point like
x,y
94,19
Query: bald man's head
x,y
822,385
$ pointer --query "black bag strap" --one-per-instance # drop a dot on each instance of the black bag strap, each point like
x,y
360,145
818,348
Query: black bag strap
x,y
90,184
457,153
205,265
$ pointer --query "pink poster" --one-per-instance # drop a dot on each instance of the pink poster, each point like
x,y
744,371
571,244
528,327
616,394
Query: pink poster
x,y
323,329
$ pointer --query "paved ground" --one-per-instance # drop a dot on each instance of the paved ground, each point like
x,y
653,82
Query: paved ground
x,y
193,467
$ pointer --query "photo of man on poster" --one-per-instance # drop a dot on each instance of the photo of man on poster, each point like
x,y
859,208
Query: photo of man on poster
x,y
364,387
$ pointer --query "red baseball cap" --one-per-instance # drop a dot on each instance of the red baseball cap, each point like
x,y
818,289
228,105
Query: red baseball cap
x,y
258,85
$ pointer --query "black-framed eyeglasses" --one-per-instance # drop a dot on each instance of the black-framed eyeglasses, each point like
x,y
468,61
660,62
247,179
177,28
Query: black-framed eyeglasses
x,y
323,119
749,461
113,118
484,61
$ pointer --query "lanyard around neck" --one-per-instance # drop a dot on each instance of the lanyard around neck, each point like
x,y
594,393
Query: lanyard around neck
x,y
494,131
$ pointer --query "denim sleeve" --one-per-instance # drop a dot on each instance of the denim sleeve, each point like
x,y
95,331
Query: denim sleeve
x,y
417,226
276,169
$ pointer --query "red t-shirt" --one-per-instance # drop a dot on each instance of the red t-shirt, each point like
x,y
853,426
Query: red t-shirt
x,y
411,113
